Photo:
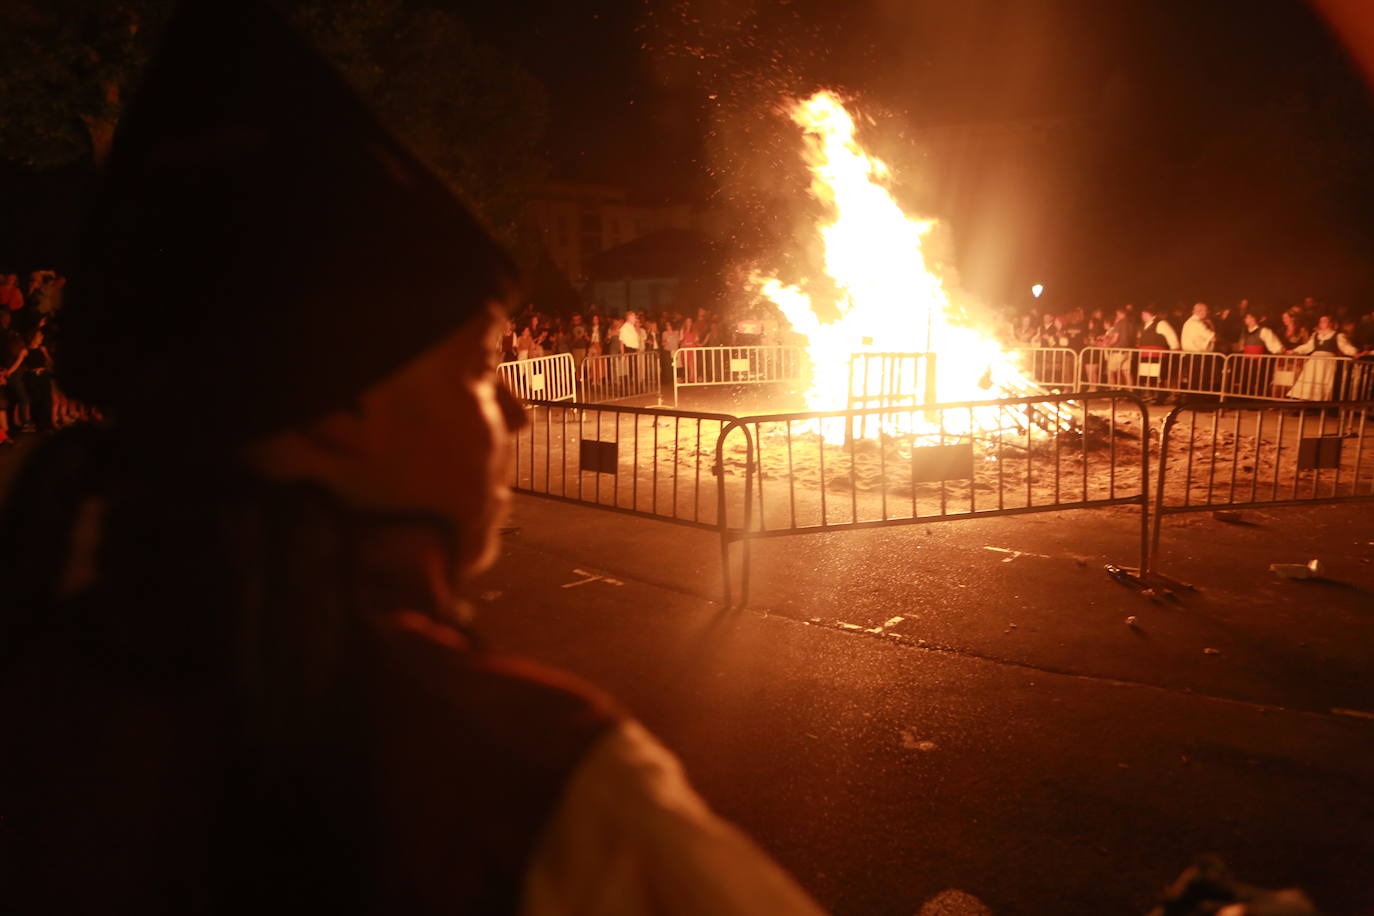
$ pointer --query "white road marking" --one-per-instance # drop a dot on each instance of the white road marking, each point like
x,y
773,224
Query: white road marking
x,y
591,577
1017,554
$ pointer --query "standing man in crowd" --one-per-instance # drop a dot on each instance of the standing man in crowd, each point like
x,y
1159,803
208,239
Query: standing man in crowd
x,y
578,342
234,668
1199,336
1259,338
1156,334
1230,325
1254,375
1121,337
631,337
1155,331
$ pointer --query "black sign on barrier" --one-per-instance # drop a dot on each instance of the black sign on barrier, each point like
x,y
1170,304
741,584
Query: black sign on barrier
x,y
1319,452
942,462
599,457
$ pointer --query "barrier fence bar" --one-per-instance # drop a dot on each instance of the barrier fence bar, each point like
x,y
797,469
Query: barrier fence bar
x,y
790,473
1214,456
1051,367
643,461
621,376
1318,377
544,378
1163,371
705,366
1262,377
889,380
931,463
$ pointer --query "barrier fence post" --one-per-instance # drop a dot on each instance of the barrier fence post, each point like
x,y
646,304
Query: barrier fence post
x,y
555,375
1164,435
723,517
1145,555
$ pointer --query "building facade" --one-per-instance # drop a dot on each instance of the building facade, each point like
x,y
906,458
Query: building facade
x,y
579,220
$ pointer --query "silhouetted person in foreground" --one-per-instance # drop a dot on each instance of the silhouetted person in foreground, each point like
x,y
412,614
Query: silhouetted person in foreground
x,y
235,673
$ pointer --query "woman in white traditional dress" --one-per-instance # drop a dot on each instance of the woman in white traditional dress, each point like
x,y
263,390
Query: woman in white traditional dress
x,y
1319,371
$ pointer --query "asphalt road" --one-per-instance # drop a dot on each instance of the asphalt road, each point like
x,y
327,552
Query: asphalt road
x,y
907,712
904,712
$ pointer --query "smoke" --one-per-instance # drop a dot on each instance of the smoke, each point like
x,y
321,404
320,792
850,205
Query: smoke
x,y
745,62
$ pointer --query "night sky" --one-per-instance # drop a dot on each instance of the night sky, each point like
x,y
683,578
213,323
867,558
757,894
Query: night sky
x,y
1203,149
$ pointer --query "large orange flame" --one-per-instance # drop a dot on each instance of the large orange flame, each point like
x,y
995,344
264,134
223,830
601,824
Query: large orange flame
x,y
889,300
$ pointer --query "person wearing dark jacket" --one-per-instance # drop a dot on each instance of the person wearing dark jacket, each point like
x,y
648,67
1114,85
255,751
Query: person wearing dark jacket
x,y
236,672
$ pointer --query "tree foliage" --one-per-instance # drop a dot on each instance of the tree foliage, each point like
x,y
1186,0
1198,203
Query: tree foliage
x,y
66,69
472,115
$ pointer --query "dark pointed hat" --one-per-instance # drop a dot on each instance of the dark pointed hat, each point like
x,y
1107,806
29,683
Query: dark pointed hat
x,y
262,250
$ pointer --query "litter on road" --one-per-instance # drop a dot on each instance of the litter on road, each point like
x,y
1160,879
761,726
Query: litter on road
x,y
1309,570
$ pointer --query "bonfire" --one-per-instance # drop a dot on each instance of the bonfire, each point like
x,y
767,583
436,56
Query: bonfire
x,y
880,296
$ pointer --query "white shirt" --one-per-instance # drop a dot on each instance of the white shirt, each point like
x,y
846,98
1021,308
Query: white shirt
x,y
631,838
1197,336
629,337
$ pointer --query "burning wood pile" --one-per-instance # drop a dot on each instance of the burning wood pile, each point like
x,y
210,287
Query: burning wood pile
x,y
878,295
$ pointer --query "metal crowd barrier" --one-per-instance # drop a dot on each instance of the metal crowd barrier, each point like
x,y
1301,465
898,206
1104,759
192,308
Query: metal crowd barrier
x,y
891,379
1163,371
933,463
621,376
1263,455
1050,367
704,366
755,477
1254,377
643,461
545,378
1262,376
1324,377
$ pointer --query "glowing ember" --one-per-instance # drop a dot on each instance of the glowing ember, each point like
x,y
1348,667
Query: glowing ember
x,y
888,300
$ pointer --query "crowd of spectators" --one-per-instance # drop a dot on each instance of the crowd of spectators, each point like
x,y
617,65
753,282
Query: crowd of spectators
x,y
1114,345
530,334
30,401
1201,328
